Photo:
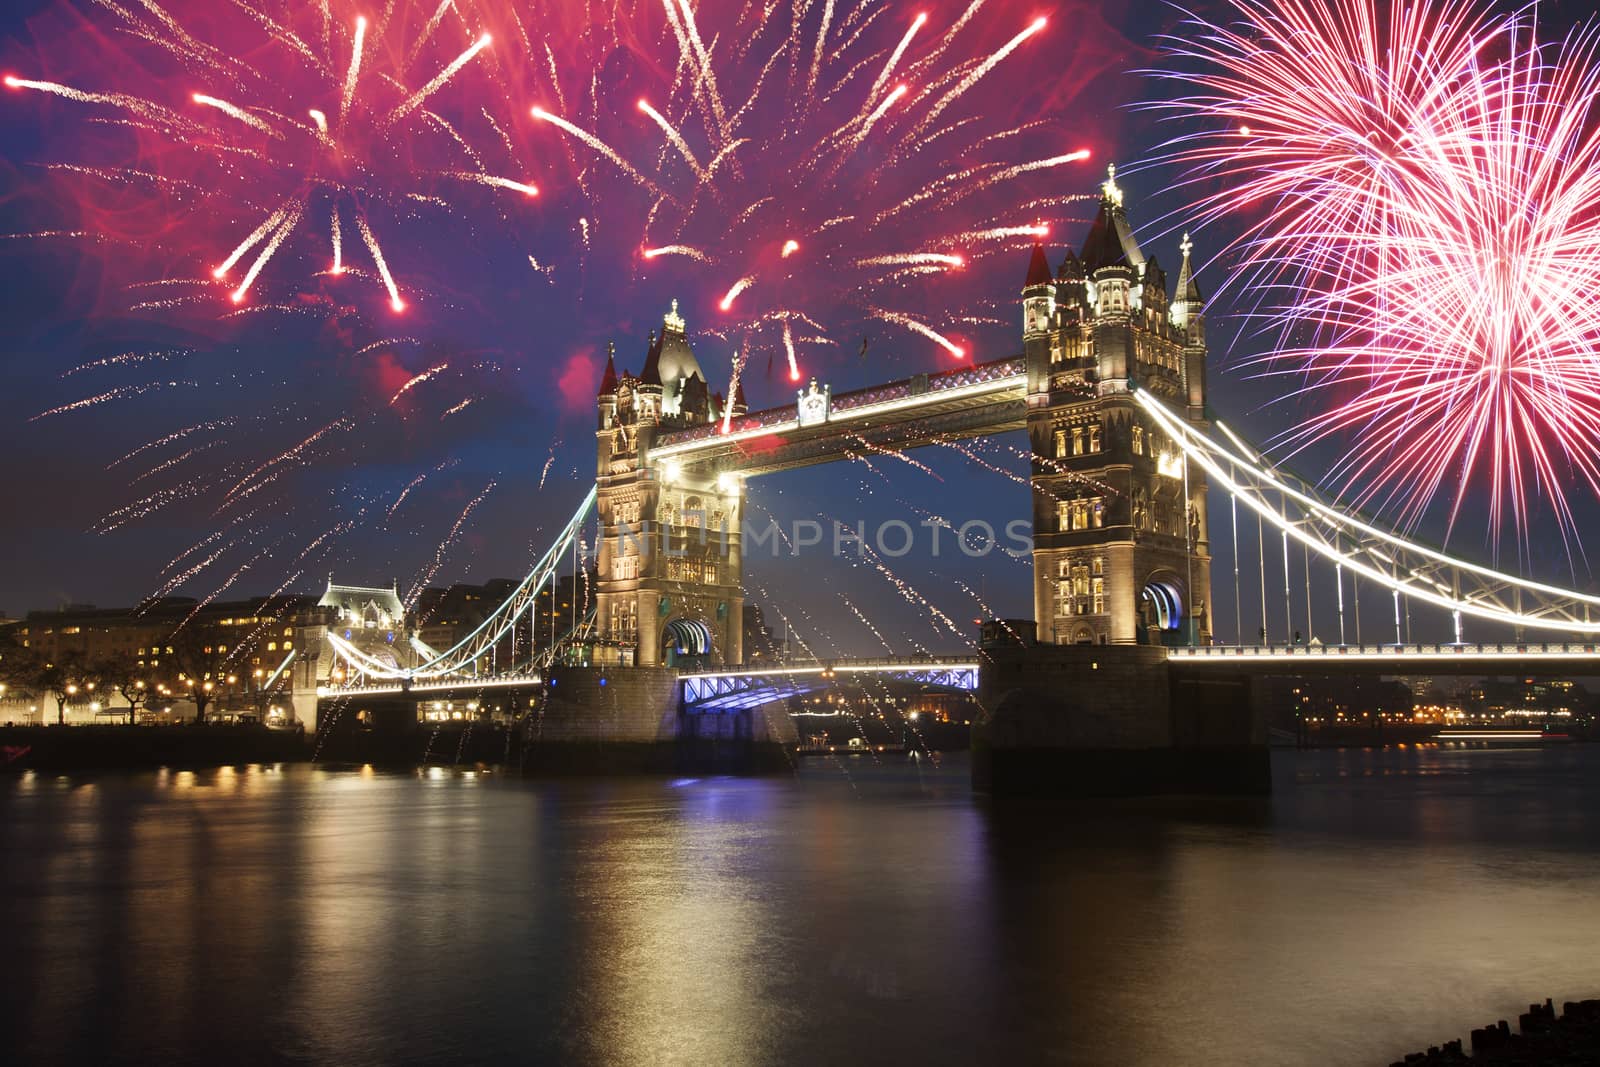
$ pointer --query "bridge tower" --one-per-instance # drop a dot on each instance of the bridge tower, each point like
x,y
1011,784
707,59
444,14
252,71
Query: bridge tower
x,y
1119,515
669,564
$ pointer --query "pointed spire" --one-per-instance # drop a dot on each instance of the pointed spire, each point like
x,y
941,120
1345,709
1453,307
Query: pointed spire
x,y
1071,268
1038,268
740,405
608,383
1188,289
651,375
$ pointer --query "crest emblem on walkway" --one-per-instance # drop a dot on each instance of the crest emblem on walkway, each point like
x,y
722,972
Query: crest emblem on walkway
x,y
813,404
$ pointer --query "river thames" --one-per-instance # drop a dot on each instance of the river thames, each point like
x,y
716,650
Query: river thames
x,y
1378,903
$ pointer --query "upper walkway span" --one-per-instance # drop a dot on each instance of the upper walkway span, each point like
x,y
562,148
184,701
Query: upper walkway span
x,y
821,426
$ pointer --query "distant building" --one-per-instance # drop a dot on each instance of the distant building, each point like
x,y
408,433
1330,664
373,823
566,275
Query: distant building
x,y
234,651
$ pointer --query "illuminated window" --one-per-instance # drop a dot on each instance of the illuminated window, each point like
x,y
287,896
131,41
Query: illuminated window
x,y
1077,440
1094,437
1061,444
1098,587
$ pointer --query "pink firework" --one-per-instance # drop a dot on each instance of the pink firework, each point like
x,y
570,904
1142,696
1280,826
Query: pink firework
x,y
1420,187
246,125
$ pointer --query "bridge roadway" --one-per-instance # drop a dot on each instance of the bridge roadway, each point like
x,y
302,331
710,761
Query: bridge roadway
x,y
726,690
736,689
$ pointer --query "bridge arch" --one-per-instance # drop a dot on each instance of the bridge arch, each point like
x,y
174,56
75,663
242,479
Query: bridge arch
x,y
1163,602
686,641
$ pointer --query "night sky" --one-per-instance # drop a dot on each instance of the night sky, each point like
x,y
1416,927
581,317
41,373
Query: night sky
x,y
521,339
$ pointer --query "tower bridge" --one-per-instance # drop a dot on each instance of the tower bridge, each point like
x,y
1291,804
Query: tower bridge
x,y
1120,543
1121,654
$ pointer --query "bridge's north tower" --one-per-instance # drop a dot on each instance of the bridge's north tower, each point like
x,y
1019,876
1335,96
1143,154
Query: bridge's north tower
x,y
669,566
1119,516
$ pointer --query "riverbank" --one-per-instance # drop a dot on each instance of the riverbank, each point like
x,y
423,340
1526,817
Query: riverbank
x,y
1543,1038
101,748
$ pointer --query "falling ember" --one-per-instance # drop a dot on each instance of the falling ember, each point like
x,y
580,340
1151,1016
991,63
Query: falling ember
x,y
338,244
676,250
415,99
354,69
918,326
788,347
377,257
733,392
674,137
496,182
738,287
268,226
236,112
290,217
878,113
895,56
913,259
595,143
417,380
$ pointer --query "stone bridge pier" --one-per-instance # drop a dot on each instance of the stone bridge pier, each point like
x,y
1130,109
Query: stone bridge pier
x,y
1111,720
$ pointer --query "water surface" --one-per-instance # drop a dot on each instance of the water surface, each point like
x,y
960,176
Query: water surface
x,y
1379,902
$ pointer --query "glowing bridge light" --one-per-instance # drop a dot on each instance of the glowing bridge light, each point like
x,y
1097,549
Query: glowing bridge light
x,y
1483,593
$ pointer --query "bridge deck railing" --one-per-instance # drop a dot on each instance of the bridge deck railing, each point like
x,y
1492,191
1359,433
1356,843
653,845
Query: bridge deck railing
x,y
1396,651
957,660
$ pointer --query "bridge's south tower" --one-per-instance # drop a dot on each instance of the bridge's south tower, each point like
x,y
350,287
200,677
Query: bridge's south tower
x,y
668,564
1119,516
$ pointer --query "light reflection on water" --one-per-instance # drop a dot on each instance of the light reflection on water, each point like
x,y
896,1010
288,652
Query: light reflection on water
x,y
1378,903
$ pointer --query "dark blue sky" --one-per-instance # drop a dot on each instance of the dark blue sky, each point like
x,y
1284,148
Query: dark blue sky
x,y
530,351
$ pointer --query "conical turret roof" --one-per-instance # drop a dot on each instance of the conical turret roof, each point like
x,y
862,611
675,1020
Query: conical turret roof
x,y
1038,268
608,383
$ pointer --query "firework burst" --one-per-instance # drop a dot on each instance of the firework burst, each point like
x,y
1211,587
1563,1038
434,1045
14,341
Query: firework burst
x,y
815,169
1421,187
255,125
